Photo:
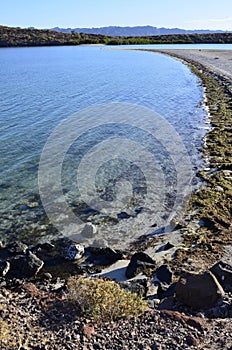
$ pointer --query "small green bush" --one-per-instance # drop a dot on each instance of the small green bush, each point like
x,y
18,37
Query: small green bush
x,y
104,300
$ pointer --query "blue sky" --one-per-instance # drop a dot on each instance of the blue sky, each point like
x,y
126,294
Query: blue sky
x,y
188,14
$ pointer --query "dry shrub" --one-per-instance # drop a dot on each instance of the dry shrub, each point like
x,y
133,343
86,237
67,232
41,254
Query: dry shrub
x,y
104,300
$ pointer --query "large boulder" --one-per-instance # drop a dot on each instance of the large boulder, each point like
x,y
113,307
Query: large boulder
x,y
25,266
102,256
223,273
199,291
17,261
13,249
139,263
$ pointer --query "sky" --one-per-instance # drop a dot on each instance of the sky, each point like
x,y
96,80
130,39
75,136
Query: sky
x,y
187,14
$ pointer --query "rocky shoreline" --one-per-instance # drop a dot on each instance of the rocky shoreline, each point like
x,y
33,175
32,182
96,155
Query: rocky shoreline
x,y
187,282
184,311
208,233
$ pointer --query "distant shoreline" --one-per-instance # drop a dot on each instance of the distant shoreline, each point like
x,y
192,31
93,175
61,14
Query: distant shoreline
x,y
28,37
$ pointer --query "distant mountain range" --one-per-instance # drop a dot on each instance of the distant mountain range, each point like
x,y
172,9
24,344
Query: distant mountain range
x,y
135,31
11,36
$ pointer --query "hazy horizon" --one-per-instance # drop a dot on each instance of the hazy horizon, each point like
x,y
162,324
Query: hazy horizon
x,y
145,25
126,26
188,15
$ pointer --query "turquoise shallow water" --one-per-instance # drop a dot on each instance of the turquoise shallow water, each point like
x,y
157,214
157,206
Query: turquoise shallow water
x,y
41,87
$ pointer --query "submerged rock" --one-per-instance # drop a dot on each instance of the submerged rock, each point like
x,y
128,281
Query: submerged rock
x,y
89,231
123,215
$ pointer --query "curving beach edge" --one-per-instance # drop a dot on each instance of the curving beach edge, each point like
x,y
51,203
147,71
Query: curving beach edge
x,y
36,313
206,232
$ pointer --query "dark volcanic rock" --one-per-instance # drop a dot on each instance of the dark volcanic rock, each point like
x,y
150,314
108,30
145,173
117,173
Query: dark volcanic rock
x,y
103,256
123,215
166,246
47,246
168,303
24,266
4,267
138,285
165,290
198,291
164,274
140,262
223,273
17,248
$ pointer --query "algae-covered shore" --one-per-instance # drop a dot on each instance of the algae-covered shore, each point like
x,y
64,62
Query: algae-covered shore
x,y
206,235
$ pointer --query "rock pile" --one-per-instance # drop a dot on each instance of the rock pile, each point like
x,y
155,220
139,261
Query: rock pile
x,y
179,302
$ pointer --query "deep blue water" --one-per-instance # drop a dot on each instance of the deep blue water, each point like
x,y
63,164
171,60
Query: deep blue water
x,y
41,87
